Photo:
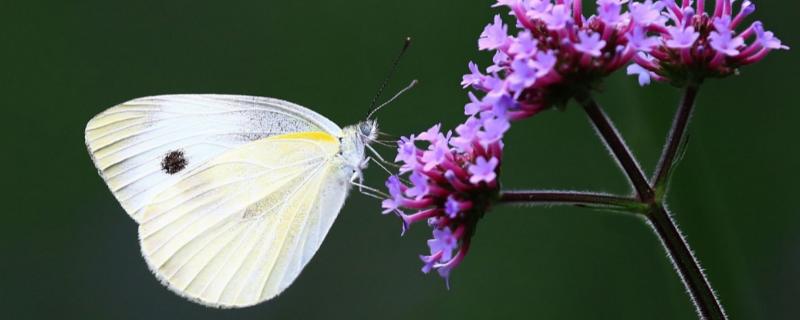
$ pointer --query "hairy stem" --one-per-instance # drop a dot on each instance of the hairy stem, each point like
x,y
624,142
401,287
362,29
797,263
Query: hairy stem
x,y
618,147
675,140
700,290
546,197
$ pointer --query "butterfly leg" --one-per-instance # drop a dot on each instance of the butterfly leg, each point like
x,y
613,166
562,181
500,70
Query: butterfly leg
x,y
370,191
375,152
364,163
358,175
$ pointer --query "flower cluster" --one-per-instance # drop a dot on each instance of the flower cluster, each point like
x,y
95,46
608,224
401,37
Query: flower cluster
x,y
556,52
693,44
448,181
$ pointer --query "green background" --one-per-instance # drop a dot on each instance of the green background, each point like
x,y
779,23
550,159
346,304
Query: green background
x,y
69,251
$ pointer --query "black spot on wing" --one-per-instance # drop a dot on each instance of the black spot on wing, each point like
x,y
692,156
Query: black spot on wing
x,y
174,162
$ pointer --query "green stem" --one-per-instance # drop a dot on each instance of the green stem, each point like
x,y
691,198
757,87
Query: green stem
x,y
675,139
618,147
547,197
700,290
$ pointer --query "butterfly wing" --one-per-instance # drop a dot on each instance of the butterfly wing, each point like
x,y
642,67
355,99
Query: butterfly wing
x,y
239,229
129,143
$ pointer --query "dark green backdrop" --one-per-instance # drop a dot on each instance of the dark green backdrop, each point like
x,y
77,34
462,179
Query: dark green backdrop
x,y
70,252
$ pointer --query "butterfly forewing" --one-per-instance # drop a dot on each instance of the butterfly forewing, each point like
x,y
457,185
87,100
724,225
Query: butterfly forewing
x,y
144,146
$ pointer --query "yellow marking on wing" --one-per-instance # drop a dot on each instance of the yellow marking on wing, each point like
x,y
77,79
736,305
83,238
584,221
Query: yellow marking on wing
x,y
309,135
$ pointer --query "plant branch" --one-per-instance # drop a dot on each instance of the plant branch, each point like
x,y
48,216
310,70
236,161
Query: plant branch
x,y
548,197
700,291
675,140
618,147
703,297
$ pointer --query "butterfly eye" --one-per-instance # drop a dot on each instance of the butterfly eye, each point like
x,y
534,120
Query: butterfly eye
x,y
365,128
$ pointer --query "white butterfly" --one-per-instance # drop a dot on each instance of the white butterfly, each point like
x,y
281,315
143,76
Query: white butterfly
x,y
233,194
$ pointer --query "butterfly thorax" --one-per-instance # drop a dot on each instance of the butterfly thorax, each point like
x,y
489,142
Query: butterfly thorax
x,y
354,141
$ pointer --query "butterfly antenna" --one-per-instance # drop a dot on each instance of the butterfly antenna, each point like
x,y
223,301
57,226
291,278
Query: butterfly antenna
x,y
372,108
399,93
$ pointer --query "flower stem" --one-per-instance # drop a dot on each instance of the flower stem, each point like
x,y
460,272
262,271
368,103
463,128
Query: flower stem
x,y
686,264
546,197
675,139
700,290
618,147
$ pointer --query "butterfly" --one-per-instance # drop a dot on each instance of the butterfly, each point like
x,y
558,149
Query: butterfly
x,y
233,194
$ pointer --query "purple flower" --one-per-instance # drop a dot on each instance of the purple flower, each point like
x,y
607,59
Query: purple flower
x,y
641,41
494,35
746,9
499,59
590,43
430,261
501,106
698,43
441,190
557,52
475,77
420,186
558,17
609,11
431,135
681,38
407,153
537,8
483,170
722,24
452,207
435,155
766,38
496,88
501,3
493,129
443,241
474,106
406,150
725,42
647,13
444,272
545,62
466,133
524,74
644,74
394,186
523,46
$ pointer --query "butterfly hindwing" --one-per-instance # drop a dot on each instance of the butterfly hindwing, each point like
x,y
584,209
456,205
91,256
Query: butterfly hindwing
x,y
145,145
238,229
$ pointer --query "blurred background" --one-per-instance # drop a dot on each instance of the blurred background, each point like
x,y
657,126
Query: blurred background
x,y
71,252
